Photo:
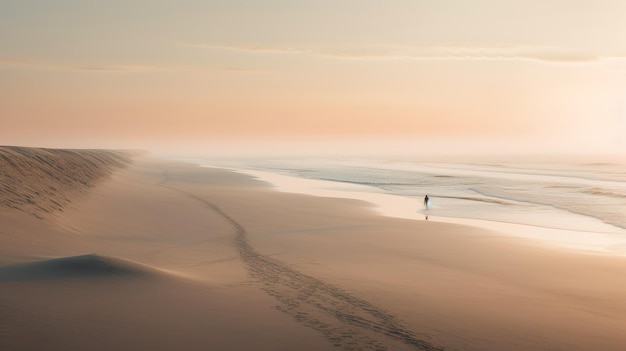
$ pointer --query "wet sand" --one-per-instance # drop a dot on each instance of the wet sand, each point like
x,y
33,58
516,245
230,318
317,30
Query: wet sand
x,y
165,255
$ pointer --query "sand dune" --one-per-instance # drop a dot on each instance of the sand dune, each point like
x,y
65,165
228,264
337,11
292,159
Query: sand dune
x,y
193,258
43,181
164,278
84,266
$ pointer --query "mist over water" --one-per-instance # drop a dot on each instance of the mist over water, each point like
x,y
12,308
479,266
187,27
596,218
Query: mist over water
x,y
575,196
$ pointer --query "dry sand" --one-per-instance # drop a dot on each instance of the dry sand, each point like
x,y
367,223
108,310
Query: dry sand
x,y
161,255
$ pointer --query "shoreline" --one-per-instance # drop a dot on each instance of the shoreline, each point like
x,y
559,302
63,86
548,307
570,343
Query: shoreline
x,y
612,240
167,255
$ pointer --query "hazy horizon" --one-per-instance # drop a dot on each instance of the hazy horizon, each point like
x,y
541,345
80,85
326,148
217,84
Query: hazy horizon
x,y
356,77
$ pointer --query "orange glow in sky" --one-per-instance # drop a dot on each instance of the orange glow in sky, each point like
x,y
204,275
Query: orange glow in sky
x,y
542,76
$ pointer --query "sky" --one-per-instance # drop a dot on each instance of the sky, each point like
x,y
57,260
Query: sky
x,y
465,76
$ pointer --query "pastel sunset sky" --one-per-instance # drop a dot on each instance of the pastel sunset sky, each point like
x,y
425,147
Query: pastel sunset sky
x,y
462,76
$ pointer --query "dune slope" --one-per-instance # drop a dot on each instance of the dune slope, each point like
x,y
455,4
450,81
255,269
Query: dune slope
x,y
83,266
43,181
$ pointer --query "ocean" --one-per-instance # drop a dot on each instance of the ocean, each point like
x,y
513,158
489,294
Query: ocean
x,y
585,202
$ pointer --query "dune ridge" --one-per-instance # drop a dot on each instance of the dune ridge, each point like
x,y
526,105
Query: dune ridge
x,y
227,263
83,266
41,182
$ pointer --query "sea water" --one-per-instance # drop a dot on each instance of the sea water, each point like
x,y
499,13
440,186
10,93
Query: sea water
x,y
582,204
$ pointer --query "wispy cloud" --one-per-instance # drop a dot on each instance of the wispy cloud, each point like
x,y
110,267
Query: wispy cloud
x,y
534,53
251,48
545,54
503,53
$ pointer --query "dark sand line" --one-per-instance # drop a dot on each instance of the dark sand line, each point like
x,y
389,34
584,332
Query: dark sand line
x,y
319,305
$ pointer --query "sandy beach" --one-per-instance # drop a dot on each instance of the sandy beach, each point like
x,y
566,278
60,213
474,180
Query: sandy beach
x,y
110,250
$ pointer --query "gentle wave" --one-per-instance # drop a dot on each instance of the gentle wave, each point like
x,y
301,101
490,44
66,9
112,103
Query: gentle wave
x,y
586,197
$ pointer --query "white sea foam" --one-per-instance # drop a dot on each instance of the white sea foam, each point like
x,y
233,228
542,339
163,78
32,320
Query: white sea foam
x,y
574,205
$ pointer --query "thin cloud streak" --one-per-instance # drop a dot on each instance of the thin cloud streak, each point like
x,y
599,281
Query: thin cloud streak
x,y
542,54
539,54
250,49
